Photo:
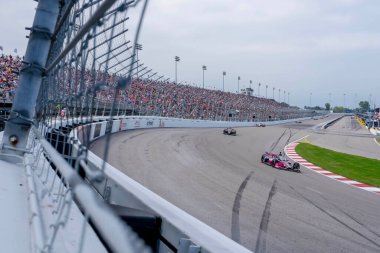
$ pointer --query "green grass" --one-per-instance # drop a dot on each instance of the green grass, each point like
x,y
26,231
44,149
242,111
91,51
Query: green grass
x,y
378,140
361,169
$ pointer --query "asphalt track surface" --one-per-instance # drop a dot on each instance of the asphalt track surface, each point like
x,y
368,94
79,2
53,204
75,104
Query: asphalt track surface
x,y
347,136
220,180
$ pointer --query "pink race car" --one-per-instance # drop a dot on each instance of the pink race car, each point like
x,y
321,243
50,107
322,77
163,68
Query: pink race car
x,y
280,162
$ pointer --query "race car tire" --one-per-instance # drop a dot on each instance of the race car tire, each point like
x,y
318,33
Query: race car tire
x,y
262,158
296,167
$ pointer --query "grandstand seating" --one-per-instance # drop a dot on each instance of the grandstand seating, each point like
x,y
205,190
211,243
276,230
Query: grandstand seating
x,y
9,68
167,99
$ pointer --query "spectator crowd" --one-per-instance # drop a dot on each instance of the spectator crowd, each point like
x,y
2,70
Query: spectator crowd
x,y
184,101
148,97
9,68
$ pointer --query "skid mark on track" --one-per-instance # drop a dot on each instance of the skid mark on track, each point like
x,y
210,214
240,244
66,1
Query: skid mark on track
x,y
182,139
273,146
235,225
132,136
290,136
261,237
336,219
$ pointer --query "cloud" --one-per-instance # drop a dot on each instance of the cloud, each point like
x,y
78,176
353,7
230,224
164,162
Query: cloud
x,y
15,15
332,44
292,44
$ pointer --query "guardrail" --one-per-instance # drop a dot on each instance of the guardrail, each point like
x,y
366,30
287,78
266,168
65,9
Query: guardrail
x,y
325,126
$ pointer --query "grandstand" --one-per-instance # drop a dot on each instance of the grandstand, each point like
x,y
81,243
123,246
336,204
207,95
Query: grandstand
x,y
9,72
167,99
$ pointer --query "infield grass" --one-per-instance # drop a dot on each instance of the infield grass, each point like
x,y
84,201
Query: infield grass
x,y
358,168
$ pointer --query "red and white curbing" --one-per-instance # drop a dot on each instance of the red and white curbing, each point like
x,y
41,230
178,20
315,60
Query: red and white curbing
x,y
292,154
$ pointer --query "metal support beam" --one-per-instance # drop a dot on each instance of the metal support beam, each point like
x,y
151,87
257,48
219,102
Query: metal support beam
x,y
82,32
114,49
138,71
23,109
159,78
152,75
143,74
118,62
128,66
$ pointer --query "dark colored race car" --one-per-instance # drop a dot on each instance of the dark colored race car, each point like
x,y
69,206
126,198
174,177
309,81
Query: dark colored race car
x,y
229,131
279,162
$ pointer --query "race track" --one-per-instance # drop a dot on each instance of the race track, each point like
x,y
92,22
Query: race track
x,y
220,180
347,136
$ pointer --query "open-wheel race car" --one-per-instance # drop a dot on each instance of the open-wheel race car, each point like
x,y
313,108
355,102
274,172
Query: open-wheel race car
x,y
280,162
229,131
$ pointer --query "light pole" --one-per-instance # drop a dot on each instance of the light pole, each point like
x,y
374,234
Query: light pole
x,y
138,48
238,84
344,102
310,100
266,91
284,96
204,68
273,92
330,100
370,101
176,59
258,91
279,95
355,99
288,98
224,74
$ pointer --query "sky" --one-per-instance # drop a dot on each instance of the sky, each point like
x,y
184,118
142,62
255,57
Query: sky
x,y
308,48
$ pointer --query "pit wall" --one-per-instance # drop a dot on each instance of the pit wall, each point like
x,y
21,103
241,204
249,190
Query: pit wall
x,y
330,123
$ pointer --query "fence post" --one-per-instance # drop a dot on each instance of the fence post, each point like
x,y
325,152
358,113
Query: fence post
x,y
23,109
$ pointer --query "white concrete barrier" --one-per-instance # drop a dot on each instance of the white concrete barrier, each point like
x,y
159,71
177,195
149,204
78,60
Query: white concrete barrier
x,y
100,128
